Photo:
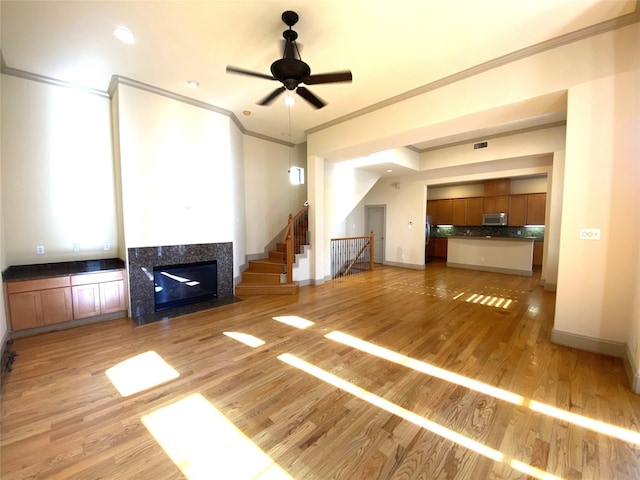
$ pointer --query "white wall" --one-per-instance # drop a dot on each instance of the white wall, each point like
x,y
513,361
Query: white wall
x,y
270,196
3,257
58,177
597,281
597,293
177,171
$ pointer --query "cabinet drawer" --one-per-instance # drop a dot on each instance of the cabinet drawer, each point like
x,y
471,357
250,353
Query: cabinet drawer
x,y
39,284
88,278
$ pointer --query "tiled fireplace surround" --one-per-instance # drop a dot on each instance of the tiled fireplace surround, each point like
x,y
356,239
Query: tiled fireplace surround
x,y
142,260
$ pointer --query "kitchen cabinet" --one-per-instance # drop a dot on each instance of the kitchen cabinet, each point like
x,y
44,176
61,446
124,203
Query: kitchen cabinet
x,y
459,211
444,213
517,213
475,208
536,205
36,303
440,247
96,294
538,248
432,210
497,187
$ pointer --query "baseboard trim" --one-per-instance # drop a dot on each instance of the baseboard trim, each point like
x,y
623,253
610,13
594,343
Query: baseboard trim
x,y
604,347
508,271
413,266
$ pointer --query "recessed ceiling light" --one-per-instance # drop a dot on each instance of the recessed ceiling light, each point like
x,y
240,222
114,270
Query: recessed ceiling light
x,y
124,35
246,113
193,83
389,170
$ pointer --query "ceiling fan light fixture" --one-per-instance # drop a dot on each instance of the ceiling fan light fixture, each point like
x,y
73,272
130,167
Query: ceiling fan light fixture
x,y
289,101
124,35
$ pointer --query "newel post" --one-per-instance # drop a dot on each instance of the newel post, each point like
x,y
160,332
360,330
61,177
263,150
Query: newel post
x,y
371,251
289,254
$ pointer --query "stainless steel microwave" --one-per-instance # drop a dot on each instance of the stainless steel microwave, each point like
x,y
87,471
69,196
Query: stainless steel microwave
x,y
494,219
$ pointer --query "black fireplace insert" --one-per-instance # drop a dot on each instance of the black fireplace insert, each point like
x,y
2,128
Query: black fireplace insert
x,y
179,285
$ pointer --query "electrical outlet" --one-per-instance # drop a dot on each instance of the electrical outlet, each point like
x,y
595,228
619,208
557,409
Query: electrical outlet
x,y
40,250
76,247
589,234
107,246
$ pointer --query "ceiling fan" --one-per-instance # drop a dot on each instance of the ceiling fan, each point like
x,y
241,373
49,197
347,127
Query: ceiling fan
x,y
291,71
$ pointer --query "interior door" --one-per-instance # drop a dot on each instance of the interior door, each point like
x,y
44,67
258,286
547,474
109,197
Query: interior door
x,y
376,224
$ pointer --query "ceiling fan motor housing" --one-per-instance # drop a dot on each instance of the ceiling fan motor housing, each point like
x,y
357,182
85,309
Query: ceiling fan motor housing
x,y
290,71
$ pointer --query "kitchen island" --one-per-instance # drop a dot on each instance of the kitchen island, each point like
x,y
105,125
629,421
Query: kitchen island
x,y
512,255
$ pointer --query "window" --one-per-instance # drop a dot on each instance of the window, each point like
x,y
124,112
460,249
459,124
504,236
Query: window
x,y
296,175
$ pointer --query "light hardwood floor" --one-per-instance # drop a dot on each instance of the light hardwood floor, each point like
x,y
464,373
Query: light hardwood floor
x,y
455,392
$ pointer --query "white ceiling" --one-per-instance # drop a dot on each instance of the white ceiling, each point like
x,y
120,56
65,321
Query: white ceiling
x,y
391,47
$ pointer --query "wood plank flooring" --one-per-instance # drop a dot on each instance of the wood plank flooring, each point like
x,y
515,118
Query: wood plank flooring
x,y
454,392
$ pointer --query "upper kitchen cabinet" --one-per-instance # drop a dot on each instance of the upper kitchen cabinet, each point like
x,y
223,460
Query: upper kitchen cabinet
x,y
527,209
444,211
517,212
536,206
459,211
475,206
498,187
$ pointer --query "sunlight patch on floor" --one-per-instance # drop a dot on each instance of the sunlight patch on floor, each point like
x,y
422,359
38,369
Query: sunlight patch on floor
x,y
295,321
245,338
423,367
205,445
140,373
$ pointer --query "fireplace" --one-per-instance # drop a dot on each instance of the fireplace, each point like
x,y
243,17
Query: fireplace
x,y
145,265
180,285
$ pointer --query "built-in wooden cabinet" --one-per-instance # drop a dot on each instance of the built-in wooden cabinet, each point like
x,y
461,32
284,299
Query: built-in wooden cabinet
x,y
445,212
527,209
98,294
538,248
475,208
48,301
440,247
497,187
536,206
459,211
517,212
36,303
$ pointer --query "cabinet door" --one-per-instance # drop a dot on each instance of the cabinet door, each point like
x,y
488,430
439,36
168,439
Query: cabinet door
x,y
503,187
489,205
502,204
441,247
86,300
536,204
112,298
517,210
475,207
432,209
25,310
459,212
56,305
537,253
445,212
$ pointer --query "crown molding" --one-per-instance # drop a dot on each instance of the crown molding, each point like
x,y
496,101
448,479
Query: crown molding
x,y
581,34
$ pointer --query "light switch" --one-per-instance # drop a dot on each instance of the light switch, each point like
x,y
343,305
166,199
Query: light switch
x,y
589,234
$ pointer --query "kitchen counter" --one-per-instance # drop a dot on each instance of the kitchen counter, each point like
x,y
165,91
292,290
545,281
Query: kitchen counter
x,y
60,269
511,255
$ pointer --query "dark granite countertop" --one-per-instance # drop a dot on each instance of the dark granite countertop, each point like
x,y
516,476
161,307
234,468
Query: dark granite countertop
x,y
491,237
60,269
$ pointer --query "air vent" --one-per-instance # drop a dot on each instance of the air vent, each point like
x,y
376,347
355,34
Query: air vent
x,y
478,145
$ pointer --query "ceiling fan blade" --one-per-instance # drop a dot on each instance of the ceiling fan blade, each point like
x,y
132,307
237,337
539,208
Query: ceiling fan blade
x,y
310,97
333,77
272,96
242,71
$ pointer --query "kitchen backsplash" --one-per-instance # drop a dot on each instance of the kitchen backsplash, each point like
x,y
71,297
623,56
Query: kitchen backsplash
x,y
509,232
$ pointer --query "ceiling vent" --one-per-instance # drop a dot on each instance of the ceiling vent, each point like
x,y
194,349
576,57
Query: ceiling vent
x,y
478,145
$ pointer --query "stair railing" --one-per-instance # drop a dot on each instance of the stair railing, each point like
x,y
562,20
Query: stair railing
x,y
351,255
295,235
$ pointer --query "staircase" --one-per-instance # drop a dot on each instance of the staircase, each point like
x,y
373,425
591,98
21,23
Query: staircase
x,y
269,276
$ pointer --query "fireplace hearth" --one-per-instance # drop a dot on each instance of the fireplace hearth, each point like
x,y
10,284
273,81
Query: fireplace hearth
x,y
146,265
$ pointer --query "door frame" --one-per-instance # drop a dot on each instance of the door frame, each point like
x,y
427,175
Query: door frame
x,y
367,227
